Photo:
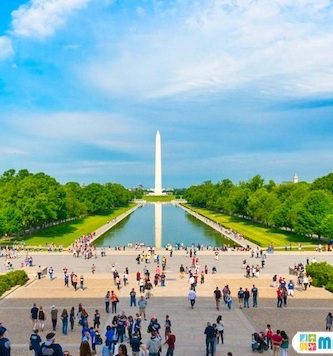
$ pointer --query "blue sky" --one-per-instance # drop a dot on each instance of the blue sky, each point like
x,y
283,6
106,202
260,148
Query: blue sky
x,y
236,88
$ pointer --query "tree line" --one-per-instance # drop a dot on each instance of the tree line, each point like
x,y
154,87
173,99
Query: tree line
x,y
306,208
30,200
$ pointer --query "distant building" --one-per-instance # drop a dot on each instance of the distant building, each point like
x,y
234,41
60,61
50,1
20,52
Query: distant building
x,y
295,178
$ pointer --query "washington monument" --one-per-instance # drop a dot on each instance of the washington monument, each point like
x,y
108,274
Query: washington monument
x,y
158,166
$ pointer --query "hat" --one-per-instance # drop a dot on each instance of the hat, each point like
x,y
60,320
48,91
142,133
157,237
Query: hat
x,y
2,330
52,307
49,339
50,336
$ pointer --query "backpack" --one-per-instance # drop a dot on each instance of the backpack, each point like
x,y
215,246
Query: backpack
x,y
46,350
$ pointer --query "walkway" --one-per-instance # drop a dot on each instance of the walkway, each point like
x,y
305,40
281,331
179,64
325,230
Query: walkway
x,y
306,311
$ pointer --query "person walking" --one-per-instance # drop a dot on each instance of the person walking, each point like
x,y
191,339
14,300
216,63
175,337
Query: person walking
x,y
218,296
107,302
192,297
49,347
254,293
64,318
210,339
220,329
34,316
41,319
35,341
229,301
142,304
170,341
54,317
329,321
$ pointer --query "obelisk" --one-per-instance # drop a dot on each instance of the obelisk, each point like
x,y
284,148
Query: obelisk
x,y
158,165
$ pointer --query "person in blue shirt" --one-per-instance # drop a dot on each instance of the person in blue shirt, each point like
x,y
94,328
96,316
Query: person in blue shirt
x,y
35,341
4,342
291,288
49,347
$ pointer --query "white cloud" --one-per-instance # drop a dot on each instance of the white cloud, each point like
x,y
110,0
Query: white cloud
x,y
278,46
104,130
6,48
41,18
11,151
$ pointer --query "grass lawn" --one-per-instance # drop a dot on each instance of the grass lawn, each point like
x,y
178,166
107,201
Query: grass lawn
x,y
158,198
65,234
257,233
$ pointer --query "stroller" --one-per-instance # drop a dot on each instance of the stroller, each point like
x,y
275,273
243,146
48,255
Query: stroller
x,y
258,342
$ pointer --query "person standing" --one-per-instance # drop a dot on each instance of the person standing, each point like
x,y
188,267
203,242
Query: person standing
x,y
276,341
220,329
107,302
72,318
329,321
153,344
246,298
254,293
82,282
305,282
240,297
218,296
291,288
136,344
284,344
192,297
170,341
279,294
132,297
167,325
142,303
97,319
64,319
4,342
268,336
54,317
210,339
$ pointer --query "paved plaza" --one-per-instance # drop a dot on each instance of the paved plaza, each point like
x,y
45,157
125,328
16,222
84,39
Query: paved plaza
x,y
306,311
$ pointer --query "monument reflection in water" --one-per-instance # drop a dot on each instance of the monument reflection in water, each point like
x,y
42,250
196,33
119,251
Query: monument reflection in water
x,y
147,226
158,225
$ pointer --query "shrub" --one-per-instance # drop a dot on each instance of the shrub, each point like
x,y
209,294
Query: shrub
x,y
329,287
321,274
11,279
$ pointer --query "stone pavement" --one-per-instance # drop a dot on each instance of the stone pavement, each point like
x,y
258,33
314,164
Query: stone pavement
x,y
307,310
